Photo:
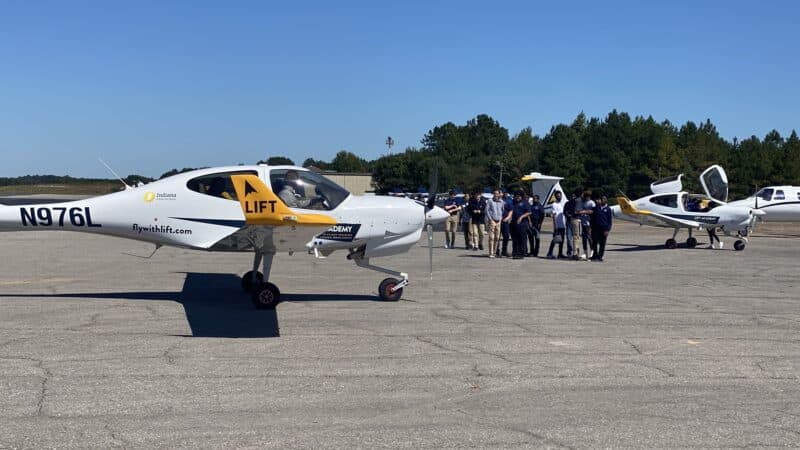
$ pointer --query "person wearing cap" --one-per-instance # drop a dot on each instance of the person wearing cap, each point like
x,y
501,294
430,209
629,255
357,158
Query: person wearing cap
x,y
451,224
518,218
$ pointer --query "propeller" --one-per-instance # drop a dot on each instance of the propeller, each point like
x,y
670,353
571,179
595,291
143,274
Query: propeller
x,y
430,213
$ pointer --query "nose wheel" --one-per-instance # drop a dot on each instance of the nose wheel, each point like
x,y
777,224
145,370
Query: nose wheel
x,y
266,296
738,245
390,289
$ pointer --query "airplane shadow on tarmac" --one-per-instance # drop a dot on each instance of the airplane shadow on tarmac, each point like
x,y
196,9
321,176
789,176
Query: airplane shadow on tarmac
x,y
215,305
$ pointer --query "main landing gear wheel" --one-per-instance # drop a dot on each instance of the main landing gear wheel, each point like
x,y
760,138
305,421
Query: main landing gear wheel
x,y
267,296
691,242
671,244
247,281
738,245
385,290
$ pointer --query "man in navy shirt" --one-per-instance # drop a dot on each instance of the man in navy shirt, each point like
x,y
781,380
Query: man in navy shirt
x,y
505,227
518,218
601,227
534,233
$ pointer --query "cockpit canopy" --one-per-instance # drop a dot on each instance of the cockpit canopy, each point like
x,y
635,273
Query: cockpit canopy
x,y
306,189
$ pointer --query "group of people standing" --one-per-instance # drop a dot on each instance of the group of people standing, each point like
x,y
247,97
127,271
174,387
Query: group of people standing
x,y
583,222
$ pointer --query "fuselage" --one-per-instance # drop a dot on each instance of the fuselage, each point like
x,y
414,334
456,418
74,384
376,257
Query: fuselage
x,y
697,210
779,203
199,210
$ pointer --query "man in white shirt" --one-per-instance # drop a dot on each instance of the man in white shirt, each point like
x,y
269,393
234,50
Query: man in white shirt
x,y
559,227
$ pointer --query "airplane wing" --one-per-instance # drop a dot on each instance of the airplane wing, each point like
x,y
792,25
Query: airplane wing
x,y
645,217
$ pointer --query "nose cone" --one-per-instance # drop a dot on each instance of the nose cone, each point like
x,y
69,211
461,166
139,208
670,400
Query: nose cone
x,y
758,212
436,215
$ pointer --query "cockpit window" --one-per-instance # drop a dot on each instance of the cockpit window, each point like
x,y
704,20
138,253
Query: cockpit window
x,y
217,184
306,190
765,194
670,200
779,195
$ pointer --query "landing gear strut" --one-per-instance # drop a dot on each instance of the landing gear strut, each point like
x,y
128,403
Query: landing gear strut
x,y
264,294
390,289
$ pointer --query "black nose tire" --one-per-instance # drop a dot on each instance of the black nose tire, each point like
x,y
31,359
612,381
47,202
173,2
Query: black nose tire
x,y
385,290
267,296
738,245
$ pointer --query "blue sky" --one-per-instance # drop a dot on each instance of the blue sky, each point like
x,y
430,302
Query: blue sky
x,y
152,85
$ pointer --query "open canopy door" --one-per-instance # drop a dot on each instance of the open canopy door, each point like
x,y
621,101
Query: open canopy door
x,y
667,185
715,183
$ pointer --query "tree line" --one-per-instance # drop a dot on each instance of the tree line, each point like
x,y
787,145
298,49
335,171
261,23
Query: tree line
x,y
614,154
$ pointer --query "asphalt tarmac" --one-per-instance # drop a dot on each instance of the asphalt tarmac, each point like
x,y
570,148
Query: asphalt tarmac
x,y
651,348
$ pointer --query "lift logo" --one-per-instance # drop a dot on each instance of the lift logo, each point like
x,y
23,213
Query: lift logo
x,y
344,232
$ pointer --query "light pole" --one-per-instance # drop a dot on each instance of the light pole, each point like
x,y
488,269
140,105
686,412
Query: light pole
x,y
389,144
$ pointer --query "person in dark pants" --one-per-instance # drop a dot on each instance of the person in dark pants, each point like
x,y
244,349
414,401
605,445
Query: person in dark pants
x,y
505,227
559,227
535,231
518,218
601,227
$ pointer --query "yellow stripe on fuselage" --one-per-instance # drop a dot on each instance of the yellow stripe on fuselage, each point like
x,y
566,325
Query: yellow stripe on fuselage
x,y
262,207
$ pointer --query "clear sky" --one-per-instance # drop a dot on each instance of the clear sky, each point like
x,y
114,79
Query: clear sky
x,y
153,85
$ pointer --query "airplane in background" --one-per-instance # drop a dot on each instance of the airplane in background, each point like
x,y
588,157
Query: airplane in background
x,y
780,203
261,209
670,207
545,186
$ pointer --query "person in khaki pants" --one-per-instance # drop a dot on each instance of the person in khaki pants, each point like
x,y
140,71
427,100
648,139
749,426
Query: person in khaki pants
x,y
451,224
494,216
477,210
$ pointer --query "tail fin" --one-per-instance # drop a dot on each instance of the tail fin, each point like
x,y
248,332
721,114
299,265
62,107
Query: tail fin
x,y
627,206
262,207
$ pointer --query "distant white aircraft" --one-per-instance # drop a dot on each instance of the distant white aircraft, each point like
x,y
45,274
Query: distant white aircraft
x,y
669,207
780,203
261,209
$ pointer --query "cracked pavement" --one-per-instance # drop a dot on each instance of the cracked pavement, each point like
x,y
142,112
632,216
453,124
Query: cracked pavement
x,y
652,348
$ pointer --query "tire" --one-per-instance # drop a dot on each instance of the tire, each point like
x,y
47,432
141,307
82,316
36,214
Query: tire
x,y
671,244
691,242
266,297
247,281
738,245
385,293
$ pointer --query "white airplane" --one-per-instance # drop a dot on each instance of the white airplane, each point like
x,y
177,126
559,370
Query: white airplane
x,y
261,209
671,208
780,203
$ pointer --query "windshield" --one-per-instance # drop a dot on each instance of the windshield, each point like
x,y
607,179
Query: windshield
x,y
765,194
306,189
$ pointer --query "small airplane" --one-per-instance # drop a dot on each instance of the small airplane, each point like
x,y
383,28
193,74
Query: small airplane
x,y
780,203
261,209
670,207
